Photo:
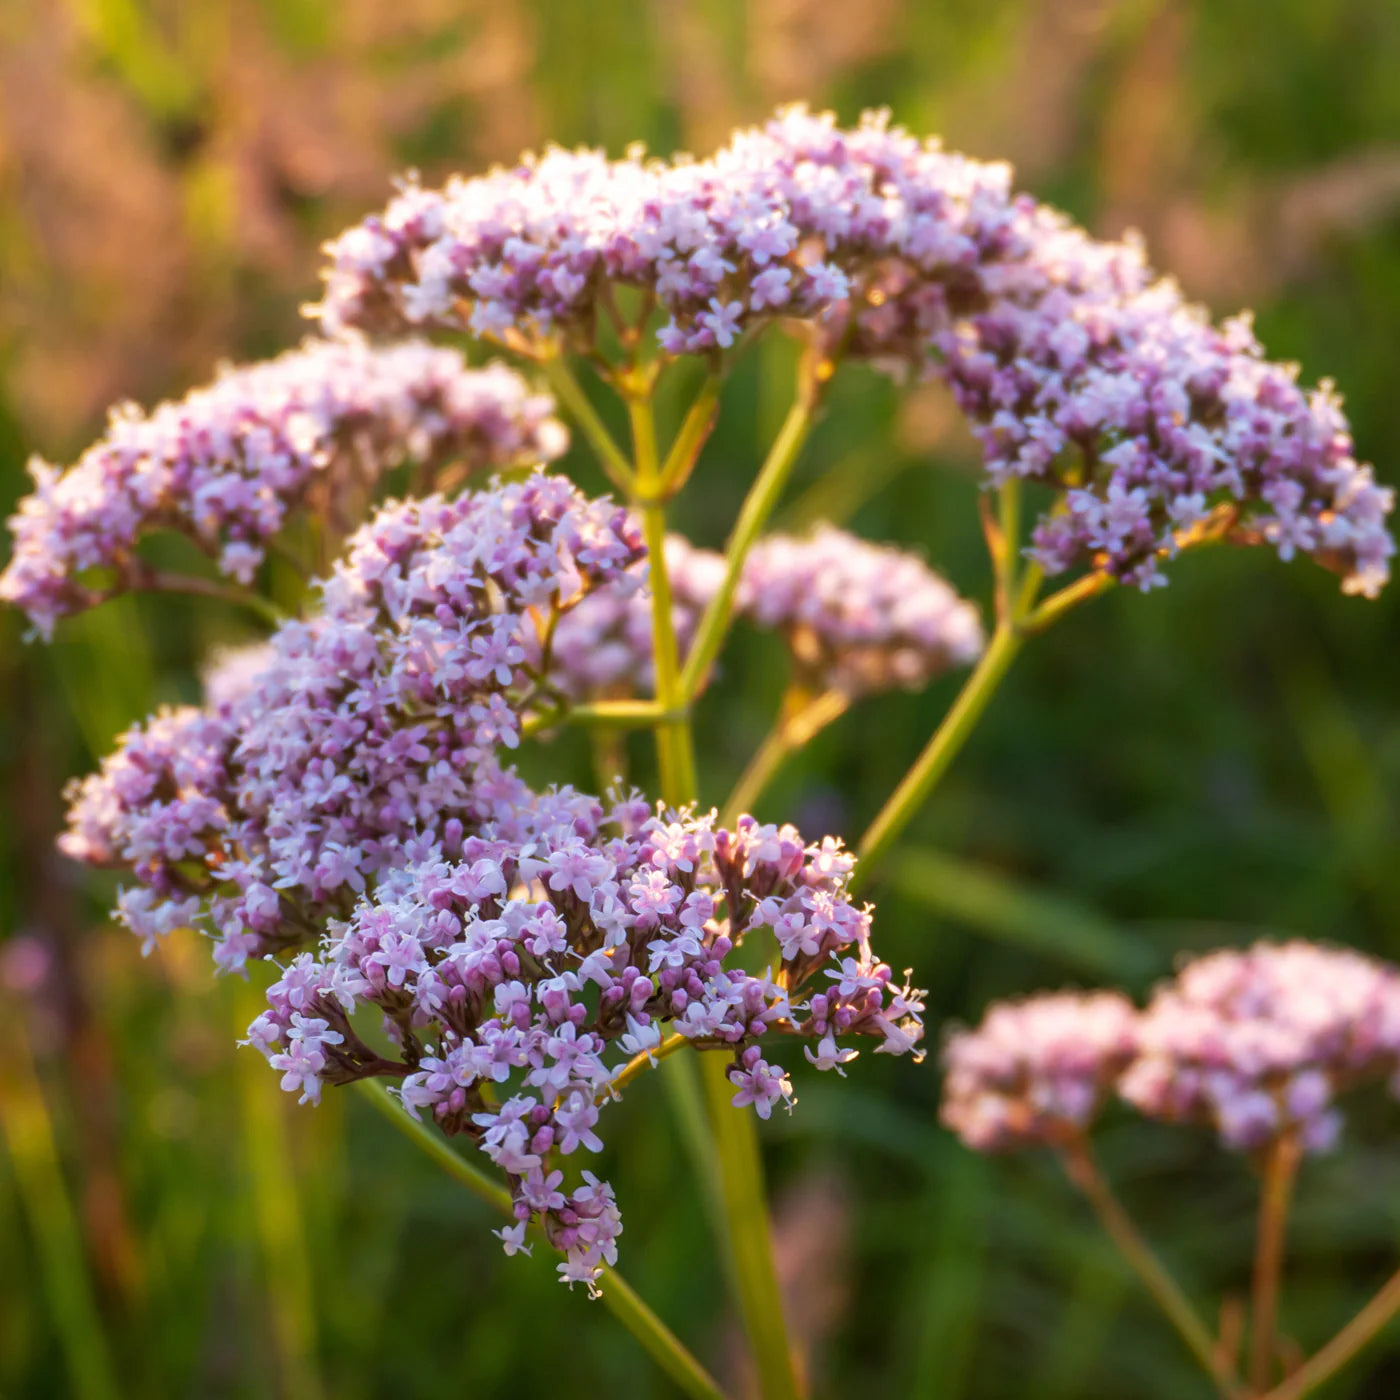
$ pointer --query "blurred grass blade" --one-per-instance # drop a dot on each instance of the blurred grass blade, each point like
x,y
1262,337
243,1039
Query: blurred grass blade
x,y
277,1209
995,905
28,1133
948,1286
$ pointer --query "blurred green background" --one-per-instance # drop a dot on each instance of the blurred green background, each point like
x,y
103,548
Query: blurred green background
x,y
1205,765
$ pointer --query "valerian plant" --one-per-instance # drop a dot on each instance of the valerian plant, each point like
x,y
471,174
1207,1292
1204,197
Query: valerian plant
x,y
506,960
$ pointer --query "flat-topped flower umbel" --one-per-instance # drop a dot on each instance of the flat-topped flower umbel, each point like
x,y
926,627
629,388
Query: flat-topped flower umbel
x,y
1076,366
317,427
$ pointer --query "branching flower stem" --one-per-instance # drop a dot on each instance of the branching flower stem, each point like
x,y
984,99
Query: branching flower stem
x,y
153,581
675,749
603,714
1360,1331
753,516
1019,616
659,1342
1083,1171
748,1230
1276,1189
916,785
570,393
803,717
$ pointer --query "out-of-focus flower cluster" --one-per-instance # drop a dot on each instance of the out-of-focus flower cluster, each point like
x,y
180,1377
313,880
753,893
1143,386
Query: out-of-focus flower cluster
x,y
603,647
1076,366
1255,1043
369,735
1037,1069
517,978
316,427
857,617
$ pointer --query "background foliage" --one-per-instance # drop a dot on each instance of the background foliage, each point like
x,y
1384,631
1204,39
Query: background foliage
x,y
1205,765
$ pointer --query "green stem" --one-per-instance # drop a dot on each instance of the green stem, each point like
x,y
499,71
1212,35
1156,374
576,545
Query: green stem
x,y
940,750
1008,552
639,1064
797,726
1084,1172
694,431
758,506
675,751
153,581
749,1232
28,1132
1344,1346
603,714
1037,619
1280,1171
570,393
655,1338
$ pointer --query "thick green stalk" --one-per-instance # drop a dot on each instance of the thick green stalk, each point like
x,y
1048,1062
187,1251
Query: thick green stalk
x,y
28,1132
675,750
753,516
940,750
655,1338
750,1234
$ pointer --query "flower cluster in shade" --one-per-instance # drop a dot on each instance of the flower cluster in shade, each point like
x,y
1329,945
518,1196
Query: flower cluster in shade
x,y
1076,365
225,466
516,974
603,647
369,735
1255,1043
1036,1070
856,617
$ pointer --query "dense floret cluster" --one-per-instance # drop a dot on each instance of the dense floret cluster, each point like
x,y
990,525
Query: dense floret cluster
x,y
1076,366
603,647
518,981
369,735
1036,1071
1259,1043
1256,1044
857,617
226,465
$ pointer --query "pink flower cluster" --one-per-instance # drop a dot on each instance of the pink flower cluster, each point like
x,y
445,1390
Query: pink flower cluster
x,y
226,465
857,617
1076,366
1255,1043
1036,1071
603,647
518,978
1258,1043
369,736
